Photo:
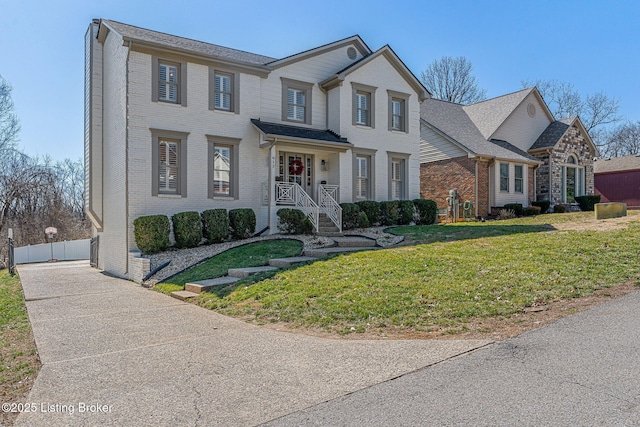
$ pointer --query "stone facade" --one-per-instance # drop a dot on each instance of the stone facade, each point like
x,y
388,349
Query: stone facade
x,y
437,178
549,175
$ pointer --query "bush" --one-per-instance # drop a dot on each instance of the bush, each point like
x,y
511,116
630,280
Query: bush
x,y
363,221
427,211
515,207
543,205
532,210
242,223
389,212
372,209
587,203
506,214
406,212
559,209
294,221
187,229
215,225
152,233
350,215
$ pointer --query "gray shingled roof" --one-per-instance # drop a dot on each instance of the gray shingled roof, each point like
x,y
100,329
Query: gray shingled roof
x,y
181,43
453,120
552,134
616,164
490,114
297,132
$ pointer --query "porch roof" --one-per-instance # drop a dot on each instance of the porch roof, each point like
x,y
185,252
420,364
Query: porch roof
x,y
299,132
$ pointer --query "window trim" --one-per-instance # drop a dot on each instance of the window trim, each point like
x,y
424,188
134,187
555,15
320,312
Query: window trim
x,y
234,175
370,155
515,179
579,178
235,89
181,138
307,88
357,88
403,158
155,80
404,99
500,177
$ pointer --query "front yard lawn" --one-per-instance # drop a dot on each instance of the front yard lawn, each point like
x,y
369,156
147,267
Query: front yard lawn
x,y
462,273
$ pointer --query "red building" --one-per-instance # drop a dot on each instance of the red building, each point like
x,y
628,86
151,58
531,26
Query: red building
x,y
618,180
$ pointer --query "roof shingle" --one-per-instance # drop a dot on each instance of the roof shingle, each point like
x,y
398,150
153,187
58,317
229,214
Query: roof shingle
x,y
297,131
617,164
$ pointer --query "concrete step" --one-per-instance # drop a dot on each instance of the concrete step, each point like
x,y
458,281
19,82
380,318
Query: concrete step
x,y
246,272
331,234
325,252
205,285
332,229
183,295
286,262
354,242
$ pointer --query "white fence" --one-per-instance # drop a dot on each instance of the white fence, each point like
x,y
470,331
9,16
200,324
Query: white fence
x,y
62,251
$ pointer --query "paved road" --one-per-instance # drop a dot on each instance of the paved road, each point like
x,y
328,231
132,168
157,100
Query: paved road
x,y
581,371
114,353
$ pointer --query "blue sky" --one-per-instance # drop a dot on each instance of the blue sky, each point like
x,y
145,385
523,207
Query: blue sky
x,y
593,44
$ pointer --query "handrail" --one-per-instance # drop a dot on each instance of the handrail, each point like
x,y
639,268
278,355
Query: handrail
x,y
291,193
329,205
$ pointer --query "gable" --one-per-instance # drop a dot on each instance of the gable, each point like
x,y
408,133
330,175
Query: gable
x,y
525,123
435,146
354,45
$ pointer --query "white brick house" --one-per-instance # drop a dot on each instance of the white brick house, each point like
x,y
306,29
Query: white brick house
x,y
173,125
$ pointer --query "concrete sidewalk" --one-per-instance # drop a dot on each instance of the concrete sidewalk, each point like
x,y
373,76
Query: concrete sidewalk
x,y
114,353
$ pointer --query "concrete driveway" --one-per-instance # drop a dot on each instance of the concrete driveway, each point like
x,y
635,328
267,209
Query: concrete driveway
x,y
114,353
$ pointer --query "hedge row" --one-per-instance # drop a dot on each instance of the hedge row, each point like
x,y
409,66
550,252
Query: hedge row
x,y
396,212
189,228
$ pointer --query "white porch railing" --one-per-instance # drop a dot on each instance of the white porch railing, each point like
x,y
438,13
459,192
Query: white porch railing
x,y
290,193
329,205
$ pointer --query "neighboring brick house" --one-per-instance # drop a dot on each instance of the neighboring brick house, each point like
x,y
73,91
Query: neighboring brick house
x,y
486,152
617,179
174,125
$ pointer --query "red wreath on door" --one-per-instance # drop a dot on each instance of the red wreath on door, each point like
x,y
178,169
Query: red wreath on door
x,y
296,167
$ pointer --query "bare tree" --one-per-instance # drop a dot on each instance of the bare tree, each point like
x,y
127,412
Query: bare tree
x,y
450,79
623,140
9,123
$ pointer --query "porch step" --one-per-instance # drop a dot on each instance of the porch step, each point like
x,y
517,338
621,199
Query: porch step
x,y
325,252
330,234
246,272
205,285
354,242
183,295
287,262
331,229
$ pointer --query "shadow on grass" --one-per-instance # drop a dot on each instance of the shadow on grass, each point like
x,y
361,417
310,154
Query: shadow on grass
x,y
463,231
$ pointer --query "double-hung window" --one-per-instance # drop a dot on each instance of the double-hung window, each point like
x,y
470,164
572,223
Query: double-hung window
x,y
296,101
363,104
223,96
518,179
397,179
363,108
223,166
221,170
362,177
504,177
169,155
168,82
398,120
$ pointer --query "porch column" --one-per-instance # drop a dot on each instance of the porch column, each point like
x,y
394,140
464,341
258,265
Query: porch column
x,y
273,223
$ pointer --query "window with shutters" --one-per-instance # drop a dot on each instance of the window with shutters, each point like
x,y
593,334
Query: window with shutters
x,y
296,101
363,108
168,82
223,92
168,166
223,167
168,163
504,177
362,177
398,118
397,179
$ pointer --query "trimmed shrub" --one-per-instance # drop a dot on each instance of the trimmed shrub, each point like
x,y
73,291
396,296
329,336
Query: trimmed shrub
x,y
389,212
363,221
306,227
406,212
427,211
587,203
532,210
215,225
559,209
372,209
543,205
515,207
350,215
242,223
187,229
152,233
290,220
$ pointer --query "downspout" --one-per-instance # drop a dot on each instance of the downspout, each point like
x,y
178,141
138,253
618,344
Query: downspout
x,y
126,158
476,190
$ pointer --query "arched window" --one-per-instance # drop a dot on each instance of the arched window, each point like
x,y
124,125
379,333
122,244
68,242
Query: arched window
x,y
572,180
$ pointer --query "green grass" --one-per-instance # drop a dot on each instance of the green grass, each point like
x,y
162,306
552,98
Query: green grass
x,y
461,272
18,356
250,255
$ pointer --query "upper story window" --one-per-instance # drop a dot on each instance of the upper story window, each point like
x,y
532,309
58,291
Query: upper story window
x,y
504,177
223,93
398,119
296,101
169,81
363,104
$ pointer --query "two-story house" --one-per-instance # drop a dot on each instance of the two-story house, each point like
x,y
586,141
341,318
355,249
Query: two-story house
x,y
173,124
